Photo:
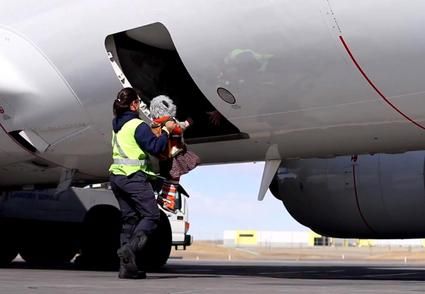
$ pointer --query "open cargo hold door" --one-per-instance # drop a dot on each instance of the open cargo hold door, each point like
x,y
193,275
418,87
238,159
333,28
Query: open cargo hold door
x,y
150,63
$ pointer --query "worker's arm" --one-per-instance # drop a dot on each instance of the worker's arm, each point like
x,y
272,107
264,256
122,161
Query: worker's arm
x,y
148,141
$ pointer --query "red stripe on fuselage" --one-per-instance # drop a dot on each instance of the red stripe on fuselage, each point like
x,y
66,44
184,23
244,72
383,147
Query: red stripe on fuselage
x,y
347,48
356,195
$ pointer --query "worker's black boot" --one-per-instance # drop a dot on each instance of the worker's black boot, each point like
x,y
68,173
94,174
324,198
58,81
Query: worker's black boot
x,y
128,266
138,242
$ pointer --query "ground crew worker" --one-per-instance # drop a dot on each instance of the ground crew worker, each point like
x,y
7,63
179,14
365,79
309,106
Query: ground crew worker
x,y
132,140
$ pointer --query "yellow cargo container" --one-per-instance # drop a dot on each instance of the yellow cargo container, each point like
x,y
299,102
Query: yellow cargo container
x,y
246,238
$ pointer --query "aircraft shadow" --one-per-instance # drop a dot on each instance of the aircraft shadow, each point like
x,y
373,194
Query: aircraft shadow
x,y
305,272
258,269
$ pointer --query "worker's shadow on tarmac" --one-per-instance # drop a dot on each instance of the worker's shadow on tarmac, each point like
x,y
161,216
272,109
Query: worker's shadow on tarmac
x,y
278,271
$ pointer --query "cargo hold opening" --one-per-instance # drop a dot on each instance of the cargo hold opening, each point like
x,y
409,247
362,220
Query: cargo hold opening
x,y
151,64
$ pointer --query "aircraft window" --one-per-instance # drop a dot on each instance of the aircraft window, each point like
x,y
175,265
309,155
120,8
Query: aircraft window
x,y
226,95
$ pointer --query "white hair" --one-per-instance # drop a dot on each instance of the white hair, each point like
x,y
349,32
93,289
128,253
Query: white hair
x,y
162,106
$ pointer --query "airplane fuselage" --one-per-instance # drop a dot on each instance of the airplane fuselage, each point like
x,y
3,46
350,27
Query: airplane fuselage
x,y
310,78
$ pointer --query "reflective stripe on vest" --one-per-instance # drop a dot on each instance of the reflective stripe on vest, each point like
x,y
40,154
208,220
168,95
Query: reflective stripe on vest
x,y
127,161
124,160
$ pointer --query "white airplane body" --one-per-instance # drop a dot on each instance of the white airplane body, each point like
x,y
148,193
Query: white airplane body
x,y
329,78
301,85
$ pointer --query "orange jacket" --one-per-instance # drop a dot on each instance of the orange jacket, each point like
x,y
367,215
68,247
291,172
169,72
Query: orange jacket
x,y
163,119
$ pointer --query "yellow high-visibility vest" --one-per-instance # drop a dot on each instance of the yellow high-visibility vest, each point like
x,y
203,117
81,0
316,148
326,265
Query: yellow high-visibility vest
x,y
127,155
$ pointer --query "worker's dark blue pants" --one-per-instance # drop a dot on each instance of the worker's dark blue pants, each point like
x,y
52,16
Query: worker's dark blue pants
x,y
139,210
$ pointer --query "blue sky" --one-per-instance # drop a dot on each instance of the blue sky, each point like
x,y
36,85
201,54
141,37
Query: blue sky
x,y
224,197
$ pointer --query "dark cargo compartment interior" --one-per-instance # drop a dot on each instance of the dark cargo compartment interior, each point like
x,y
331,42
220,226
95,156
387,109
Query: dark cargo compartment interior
x,y
154,71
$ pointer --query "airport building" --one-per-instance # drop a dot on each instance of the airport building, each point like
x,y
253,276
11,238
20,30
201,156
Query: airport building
x,y
252,238
297,239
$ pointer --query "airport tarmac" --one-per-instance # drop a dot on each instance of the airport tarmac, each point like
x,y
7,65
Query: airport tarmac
x,y
184,277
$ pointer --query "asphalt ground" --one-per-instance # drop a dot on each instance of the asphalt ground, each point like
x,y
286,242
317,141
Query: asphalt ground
x,y
182,277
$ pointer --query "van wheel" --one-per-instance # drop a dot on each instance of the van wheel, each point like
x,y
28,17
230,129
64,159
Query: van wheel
x,y
100,238
158,248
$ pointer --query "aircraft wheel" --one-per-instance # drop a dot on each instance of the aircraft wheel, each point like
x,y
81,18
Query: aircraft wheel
x,y
8,251
7,254
43,254
100,238
47,245
8,244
